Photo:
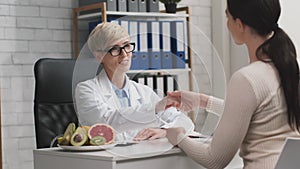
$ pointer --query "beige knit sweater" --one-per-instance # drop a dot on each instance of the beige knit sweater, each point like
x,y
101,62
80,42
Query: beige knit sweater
x,y
254,119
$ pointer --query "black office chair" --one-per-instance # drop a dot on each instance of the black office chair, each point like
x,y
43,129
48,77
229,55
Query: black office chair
x,y
53,103
55,80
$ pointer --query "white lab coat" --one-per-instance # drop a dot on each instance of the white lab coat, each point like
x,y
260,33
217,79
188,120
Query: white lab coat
x,y
96,102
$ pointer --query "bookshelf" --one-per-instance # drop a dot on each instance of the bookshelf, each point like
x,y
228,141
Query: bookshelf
x,y
103,14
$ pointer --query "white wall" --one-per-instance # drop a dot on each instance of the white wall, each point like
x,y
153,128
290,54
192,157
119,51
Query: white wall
x,y
33,29
289,21
221,59
29,30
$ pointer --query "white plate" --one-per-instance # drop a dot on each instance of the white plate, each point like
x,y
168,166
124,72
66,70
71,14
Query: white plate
x,y
86,148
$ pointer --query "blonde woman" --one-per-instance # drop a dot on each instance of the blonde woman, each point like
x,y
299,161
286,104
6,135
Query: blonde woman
x,y
112,98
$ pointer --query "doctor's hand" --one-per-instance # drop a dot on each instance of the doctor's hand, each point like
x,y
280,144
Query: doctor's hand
x,y
185,101
150,133
161,105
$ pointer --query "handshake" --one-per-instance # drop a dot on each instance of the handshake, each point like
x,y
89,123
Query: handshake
x,y
184,101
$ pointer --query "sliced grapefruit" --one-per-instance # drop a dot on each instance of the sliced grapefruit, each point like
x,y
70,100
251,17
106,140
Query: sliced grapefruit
x,y
103,130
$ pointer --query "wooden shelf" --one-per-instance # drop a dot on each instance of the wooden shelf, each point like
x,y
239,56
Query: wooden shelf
x,y
161,71
134,14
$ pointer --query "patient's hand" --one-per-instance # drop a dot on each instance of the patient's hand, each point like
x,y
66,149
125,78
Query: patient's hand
x,y
185,101
150,133
175,135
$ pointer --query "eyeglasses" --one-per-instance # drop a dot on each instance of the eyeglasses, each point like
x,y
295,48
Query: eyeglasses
x,y
117,50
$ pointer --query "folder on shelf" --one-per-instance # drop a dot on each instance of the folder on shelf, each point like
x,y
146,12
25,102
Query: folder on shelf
x,y
142,6
111,5
124,23
170,83
134,61
159,85
133,30
141,80
166,60
89,2
154,45
148,81
143,57
132,6
93,24
122,5
178,44
114,21
152,6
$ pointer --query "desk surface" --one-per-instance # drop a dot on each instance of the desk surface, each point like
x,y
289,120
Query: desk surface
x,y
141,150
95,155
158,154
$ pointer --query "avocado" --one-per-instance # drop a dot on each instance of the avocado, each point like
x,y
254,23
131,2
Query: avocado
x,y
80,137
65,140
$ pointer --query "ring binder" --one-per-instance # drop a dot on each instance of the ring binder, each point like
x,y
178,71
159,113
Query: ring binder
x,y
177,44
132,6
154,45
167,61
122,5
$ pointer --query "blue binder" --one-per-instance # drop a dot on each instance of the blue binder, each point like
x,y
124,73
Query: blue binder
x,y
133,33
143,57
134,62
167,60
178,44
93,24
125,24
154,45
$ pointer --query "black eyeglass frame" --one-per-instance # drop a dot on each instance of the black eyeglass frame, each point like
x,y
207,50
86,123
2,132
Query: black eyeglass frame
x,y
121,48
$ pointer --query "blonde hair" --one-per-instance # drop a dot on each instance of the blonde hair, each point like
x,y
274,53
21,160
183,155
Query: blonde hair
x,y
104,35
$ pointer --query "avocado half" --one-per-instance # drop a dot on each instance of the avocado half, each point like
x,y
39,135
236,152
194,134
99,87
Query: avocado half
x,y
65,140
80,137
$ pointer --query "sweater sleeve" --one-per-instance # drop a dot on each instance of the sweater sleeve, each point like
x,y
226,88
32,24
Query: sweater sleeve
x,y
215,105
239,105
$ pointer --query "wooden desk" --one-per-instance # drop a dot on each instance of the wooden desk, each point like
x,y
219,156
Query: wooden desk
x,y
61,159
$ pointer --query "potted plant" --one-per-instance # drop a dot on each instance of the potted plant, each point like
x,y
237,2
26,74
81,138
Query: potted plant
x,y
170,5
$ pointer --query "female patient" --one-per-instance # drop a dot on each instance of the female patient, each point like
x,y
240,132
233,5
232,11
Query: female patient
x,y
112,98
261,108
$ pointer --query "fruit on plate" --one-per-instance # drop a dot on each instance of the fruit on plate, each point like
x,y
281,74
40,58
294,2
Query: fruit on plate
x,y
79,137
103,130
65,140
97,141
87,128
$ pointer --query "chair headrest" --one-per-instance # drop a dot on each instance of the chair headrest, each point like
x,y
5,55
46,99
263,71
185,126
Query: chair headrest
x,y
53,80
57,78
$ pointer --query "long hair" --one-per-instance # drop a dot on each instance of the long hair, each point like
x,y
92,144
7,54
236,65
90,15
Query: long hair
x,y
262,17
